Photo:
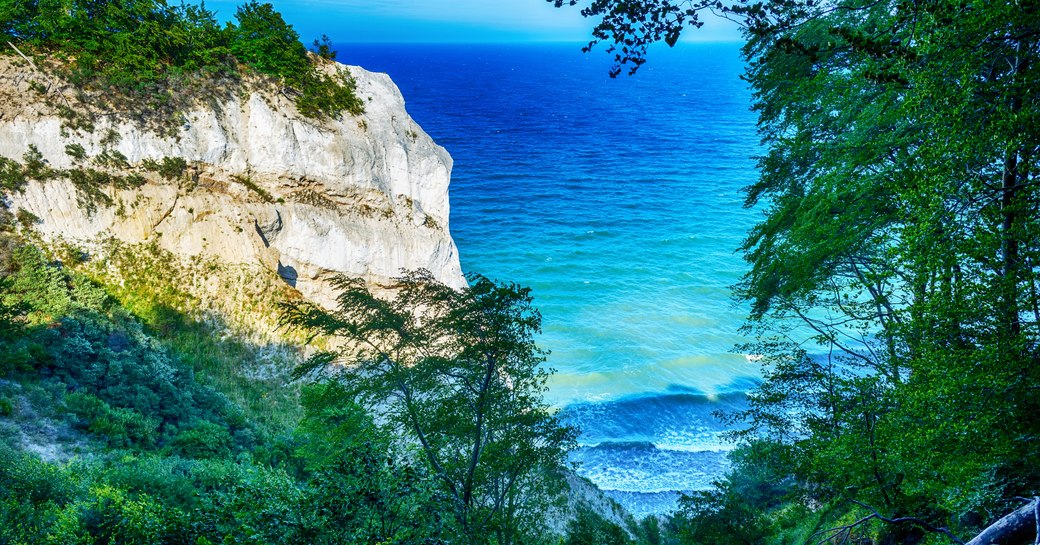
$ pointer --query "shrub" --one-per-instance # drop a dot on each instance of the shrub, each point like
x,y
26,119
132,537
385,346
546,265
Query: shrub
x,y
6,406
75,151
38,285
323,48
151,53
203,440
35,166
170,168
113,516
27,219
11,176
265,42
589,528
119,426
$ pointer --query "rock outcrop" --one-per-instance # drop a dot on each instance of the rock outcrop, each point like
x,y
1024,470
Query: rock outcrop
x,y
360,195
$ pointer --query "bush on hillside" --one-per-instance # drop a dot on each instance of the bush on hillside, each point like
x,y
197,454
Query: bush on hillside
x,y
124,386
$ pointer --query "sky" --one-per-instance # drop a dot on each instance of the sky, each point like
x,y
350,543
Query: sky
x,y
448,21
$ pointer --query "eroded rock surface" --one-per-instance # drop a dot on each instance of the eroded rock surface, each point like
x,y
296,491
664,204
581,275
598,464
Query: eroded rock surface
x,y
360,195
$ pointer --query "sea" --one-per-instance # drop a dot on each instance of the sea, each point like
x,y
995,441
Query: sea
x,y
618,201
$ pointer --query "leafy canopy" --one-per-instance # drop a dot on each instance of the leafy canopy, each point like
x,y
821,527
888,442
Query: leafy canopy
x,y
458,373
894,276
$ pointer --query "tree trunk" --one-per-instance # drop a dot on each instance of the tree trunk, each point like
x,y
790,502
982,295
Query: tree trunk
x,y
1019,527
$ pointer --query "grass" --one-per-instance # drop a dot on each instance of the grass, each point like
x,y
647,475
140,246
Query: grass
x,y
211,334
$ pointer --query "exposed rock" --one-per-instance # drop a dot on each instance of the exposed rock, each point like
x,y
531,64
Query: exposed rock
x,y
364,196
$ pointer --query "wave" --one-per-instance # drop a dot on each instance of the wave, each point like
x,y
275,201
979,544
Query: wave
x,y
675,421
643,467
642,504
728,447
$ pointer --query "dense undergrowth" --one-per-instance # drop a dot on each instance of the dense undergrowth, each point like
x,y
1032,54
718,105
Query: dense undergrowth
x,y
141,443
125,418
134,410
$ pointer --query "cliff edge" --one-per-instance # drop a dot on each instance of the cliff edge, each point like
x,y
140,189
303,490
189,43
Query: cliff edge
x,y
243,179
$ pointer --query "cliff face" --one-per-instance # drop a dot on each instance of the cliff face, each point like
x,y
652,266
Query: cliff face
x,y
364,196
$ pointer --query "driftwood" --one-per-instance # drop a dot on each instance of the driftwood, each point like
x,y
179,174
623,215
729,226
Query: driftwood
x,y
1014,528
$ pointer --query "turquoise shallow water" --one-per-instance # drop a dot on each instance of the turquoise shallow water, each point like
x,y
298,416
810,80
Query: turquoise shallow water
x,y
618,202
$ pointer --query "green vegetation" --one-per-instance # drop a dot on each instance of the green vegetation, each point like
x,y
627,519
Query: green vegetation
x,y
90,183
893,279
170,168
457,372
893,282
252,186
180,443
153,55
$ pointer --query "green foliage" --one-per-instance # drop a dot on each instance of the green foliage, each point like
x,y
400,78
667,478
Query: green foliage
x,y
122,41
75,151
11,175
170,168
91,184
252,186
749,506
152,284
720,516
146,51
203,440
589,528
264,41
457,372
38,285
27,219
324,95
112,159
32,495
363,488
120,427
35,166
323,48
180,464
126,387
913,270
893,281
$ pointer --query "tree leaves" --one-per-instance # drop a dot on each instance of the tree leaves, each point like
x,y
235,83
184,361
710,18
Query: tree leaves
x,y
893,279
458,373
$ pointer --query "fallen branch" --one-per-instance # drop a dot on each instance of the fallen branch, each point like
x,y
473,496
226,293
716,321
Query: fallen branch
x,y
52,83
846,531
1015,527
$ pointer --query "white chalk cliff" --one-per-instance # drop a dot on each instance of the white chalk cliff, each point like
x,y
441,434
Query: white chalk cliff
x,y
361,195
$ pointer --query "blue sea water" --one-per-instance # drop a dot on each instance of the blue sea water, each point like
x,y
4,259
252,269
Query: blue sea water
x,y
618,202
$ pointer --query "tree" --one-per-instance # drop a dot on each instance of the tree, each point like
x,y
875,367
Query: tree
x,y
457,372
589,528
358,492
893,280
323,48
266,42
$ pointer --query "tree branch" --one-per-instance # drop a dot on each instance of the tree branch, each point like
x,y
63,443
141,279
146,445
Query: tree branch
x,y
846,530
1014,526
